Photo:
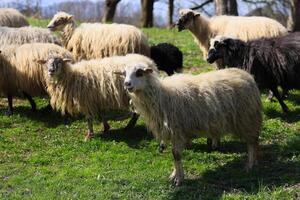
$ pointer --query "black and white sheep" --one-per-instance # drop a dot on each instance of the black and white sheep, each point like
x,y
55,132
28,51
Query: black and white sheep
x,y
272,61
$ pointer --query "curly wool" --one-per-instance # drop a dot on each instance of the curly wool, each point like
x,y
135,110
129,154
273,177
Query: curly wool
x,y
241,27
91,41
26,35
11,17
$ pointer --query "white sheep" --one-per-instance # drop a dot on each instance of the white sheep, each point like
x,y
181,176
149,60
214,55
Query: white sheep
x,y
20,72
27,34
12,18
90,87
181,107
90,41
240,27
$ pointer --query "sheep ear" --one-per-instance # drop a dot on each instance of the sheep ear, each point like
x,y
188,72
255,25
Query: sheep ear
x,y
70,17
148,70
119,73
41,62
65,60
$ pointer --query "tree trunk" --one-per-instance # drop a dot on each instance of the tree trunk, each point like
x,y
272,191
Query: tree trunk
x,y
110,9
170,14
294,18
226,7
147,13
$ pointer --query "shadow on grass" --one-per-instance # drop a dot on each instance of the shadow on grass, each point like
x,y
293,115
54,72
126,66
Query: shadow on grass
x,y
132,137
294,97
277,167
232,146
292,116
49,118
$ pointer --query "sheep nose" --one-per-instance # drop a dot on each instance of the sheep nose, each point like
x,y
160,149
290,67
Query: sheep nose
x,y
127,83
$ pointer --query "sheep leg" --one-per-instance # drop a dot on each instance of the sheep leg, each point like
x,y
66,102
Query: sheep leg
x,y
10,105
285,93
213,143
252,156
177,175
162,146
106,126
31,101
282,104
132,121
90,132
270,96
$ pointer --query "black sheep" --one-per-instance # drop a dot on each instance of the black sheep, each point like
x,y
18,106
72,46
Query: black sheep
x,y
167,57
272,61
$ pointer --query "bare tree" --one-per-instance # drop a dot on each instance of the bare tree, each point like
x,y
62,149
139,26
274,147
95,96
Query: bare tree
x,y
294,19
147,13
110,9
170,13
226,7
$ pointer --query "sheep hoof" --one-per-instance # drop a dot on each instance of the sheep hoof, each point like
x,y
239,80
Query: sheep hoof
x,y
176,178
106,128
161,148
88,136
8,113
286,111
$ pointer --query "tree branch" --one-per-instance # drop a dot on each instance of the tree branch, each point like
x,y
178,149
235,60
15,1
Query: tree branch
x,y
202,5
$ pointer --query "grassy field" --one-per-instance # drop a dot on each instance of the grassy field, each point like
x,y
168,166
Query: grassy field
x,y
43,156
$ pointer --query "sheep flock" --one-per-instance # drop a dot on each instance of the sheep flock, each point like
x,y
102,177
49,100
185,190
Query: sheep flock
x,y
97,70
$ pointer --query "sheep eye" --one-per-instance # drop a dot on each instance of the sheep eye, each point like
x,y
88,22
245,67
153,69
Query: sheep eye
x,y
139,73
216,43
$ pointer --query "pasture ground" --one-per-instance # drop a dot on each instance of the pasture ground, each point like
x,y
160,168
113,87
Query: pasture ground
x,y
43,156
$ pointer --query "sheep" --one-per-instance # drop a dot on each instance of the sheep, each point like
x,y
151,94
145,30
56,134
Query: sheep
x,y
90,87
12,18
167,57
27,34
272,61
20,72
181,107
244,28
91,41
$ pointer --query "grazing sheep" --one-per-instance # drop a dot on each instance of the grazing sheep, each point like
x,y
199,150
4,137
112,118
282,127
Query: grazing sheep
x,y
167,57
26,35
11,17
181,107
20,72
272,61
90,41
244,28
90,87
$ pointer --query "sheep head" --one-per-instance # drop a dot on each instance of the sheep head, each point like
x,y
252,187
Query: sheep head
x,y
59,21
54,65
186,19
135,77
226,48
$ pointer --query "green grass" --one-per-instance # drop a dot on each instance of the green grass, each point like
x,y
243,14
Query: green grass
x,y
43,156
